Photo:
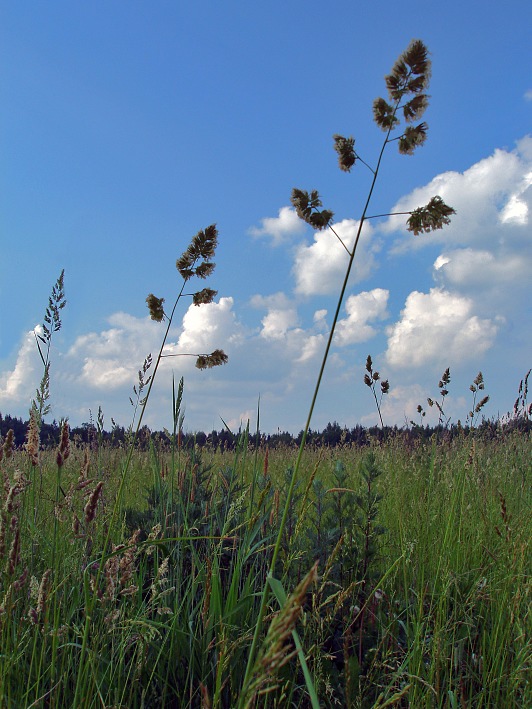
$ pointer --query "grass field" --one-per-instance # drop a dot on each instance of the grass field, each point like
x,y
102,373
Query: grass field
x,y
421,594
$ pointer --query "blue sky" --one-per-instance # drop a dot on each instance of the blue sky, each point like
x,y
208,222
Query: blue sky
x,y
128,126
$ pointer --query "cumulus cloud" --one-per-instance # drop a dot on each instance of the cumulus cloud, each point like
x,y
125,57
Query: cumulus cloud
x,y
280,325
438,328
281,315
492,194
280,229
319,319
320,267
361,309
528,95
19,384
472,269
208,327
111,358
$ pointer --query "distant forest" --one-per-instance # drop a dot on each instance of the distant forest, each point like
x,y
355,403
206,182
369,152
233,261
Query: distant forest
x,y
332,435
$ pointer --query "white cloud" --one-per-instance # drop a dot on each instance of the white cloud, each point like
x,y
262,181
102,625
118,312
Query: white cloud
x,y
19,384
319,319
528,95
361,309
281,325
319,268
310,347
438,328
106,374
111,358
492,201
471,269
281,315
208,327
280,228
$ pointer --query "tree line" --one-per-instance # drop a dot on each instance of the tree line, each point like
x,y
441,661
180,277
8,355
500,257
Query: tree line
x,y
332,435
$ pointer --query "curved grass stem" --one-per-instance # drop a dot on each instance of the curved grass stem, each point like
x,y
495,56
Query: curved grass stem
x,y
295,472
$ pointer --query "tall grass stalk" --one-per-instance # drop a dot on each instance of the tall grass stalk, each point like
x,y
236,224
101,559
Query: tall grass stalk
x,y
201,249
412,66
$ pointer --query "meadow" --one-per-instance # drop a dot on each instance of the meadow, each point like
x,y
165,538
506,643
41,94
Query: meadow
x,y
153,571
408,563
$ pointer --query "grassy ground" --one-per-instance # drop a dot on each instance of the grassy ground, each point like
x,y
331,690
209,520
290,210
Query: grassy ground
x,y
421,595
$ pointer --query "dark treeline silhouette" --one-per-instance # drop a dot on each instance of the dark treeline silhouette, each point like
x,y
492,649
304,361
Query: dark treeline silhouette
x,y
332,435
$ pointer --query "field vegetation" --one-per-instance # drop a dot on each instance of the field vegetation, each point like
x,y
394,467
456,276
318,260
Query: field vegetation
x,y
420,596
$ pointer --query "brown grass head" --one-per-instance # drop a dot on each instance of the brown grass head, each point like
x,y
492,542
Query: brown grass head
x,y
33,438
90,507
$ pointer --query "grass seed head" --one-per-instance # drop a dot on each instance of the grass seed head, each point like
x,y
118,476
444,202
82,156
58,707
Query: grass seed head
x,y
155,306
63,452
9,445
90,507
33,438
215,359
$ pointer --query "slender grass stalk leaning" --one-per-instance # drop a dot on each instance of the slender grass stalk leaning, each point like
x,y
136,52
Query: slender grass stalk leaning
x,y
406,85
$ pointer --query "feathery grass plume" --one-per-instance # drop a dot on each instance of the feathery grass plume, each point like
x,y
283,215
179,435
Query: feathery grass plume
x,y
370,380
277,649
63,451
384,115
202,246
155,306
42,593
13,500
442,385
215,359
435,215
477,406
127,562
9,445
52,323
110,571
33,437
85,466
14,552
144,381
306,206
92,503
521,406
412,138
204,297
345,147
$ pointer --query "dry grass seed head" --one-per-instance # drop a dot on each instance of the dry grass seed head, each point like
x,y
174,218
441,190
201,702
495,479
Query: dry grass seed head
x,y
127,562
42,594
14,552
111,575
84,471
63,451
277,648
90,507
9,445
33,439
